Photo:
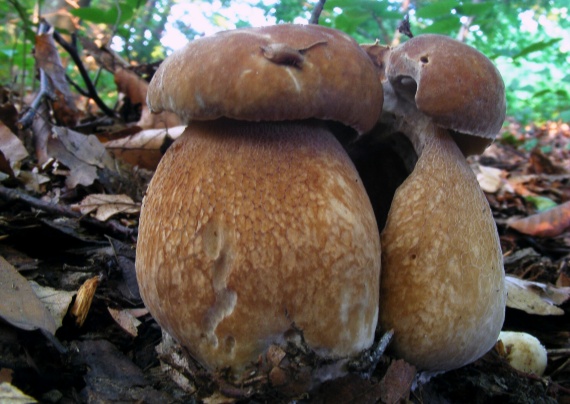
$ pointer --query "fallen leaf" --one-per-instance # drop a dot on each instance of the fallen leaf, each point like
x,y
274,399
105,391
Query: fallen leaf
x,y
549,223
12,395
47,59
12,148
541,203
56,301
126,320
33,179
144,149
397,382
535,297
82,154
19,305
84,299
106,206
490,179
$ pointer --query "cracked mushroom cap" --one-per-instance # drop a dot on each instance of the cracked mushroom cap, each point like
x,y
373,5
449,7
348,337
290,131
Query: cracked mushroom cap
x,y
277,73
454,84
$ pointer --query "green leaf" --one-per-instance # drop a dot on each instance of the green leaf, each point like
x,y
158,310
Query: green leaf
x,y
437,9
345,4
541,203
444,26
475,9
537,46
109,17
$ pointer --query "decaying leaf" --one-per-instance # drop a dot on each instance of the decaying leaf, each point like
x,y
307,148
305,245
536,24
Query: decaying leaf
x,y
535,297
84,299
491,179
47,58
19,305
126,320
12,148
144,149
12,395
106,206
549,223
80,153
56,301
397,382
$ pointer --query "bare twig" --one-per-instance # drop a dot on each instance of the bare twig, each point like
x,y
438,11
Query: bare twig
x,y
317,12
46,91
15,195
91,90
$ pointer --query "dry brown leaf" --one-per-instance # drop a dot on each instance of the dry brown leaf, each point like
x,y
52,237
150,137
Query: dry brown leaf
x,y
397,382
535,297
84,299
143,149
33,179
126,320
47,58
80,153
19,305
135,88
491,179
12,148
106,206
56,301
549,223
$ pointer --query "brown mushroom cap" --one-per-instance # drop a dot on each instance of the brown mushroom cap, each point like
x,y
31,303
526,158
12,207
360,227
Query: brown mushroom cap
x,y
454,84
277,73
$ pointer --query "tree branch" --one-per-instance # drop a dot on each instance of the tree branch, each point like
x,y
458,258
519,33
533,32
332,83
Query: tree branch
x,y
317,12
91,90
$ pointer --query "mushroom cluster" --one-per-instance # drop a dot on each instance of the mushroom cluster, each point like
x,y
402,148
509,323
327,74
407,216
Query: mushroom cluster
x,y
259,230
256,229
442,286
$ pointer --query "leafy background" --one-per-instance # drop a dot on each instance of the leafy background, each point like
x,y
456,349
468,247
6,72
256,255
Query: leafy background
x,y
529,40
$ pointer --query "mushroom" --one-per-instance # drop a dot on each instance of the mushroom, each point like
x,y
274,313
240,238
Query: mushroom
x,y
442,284
256,229
523,351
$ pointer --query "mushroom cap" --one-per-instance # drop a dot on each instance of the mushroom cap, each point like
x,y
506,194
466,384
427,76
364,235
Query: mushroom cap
x,y
275,73
249,230
454,84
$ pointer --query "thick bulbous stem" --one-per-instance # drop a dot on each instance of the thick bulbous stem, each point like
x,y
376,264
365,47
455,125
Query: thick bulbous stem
x,y
250,229
442,285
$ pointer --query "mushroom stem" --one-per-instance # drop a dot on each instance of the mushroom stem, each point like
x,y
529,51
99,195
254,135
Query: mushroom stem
x,y
452,256
265,226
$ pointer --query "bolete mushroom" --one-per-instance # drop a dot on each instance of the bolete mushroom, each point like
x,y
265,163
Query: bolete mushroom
x,y
442,285
256,225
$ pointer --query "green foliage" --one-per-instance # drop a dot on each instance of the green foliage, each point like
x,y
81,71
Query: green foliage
x,y
16,36
533,61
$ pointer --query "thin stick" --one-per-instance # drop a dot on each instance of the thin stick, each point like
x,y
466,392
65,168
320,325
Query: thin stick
x,y
15,195
91,90
317,12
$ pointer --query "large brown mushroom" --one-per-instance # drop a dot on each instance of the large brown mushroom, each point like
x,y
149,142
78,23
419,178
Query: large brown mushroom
x,y
442,285
256,227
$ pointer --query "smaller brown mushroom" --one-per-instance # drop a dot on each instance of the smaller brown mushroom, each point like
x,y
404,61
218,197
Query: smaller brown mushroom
x,y
256,229
442,285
